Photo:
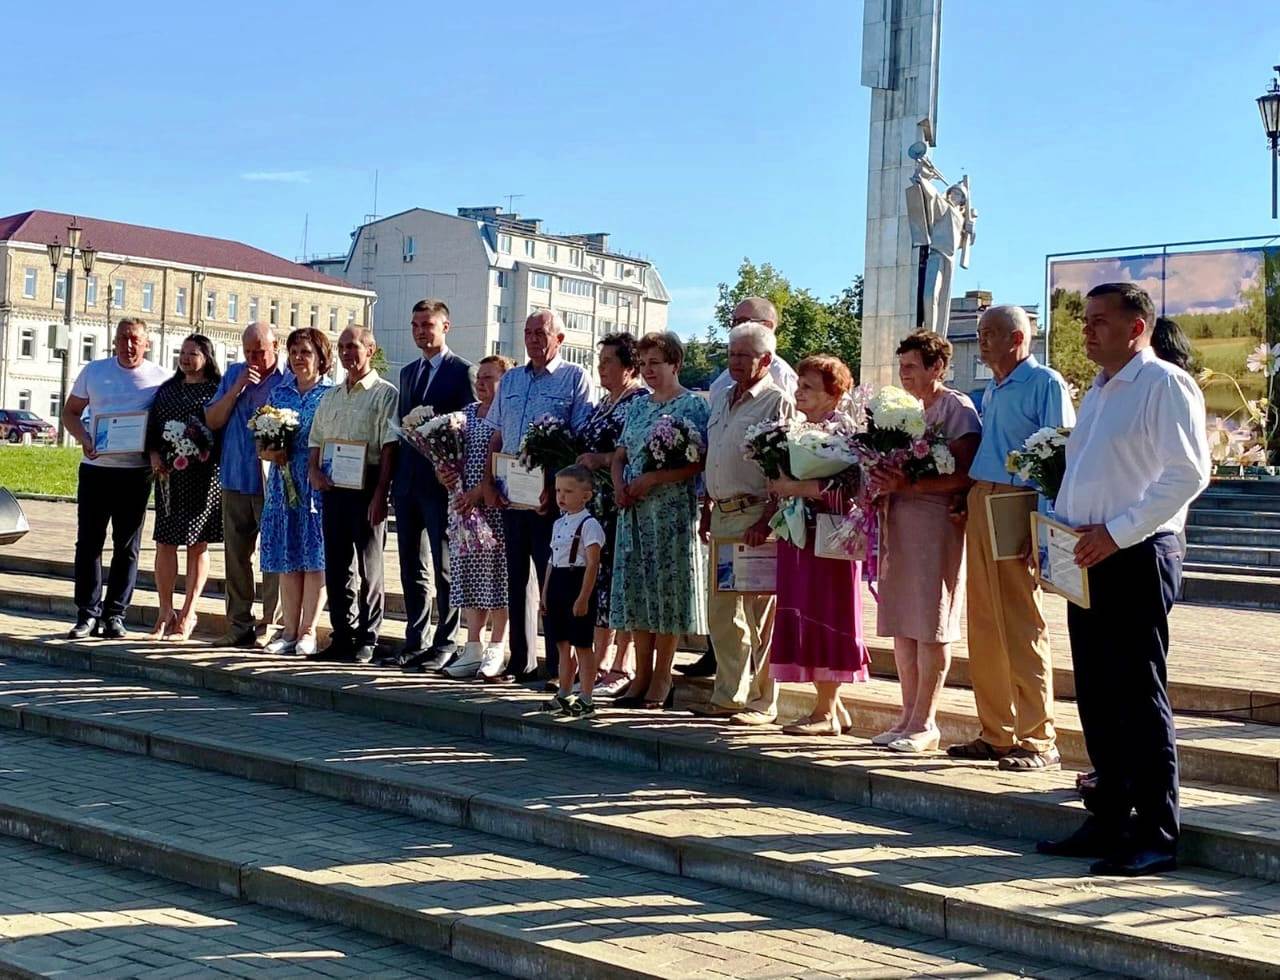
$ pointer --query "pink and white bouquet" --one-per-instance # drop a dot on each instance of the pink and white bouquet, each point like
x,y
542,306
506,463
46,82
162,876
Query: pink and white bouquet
x,y
275,429
897,435
442,439
185,443
549,443
766,446
672,442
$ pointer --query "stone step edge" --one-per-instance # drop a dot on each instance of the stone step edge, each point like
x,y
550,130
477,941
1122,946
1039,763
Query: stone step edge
x,y
470,939
1030,815
1231,702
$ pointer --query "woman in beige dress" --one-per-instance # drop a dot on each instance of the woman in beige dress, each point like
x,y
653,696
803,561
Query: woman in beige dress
x,y
922,549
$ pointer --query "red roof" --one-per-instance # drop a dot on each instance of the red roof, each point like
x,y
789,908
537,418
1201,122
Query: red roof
x,y
156,243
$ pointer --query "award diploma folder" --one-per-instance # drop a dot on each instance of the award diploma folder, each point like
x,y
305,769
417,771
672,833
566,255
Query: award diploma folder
x,y
1056,560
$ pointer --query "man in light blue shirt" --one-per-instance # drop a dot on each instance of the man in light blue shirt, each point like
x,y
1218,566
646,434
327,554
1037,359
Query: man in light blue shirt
x,y
245,388
546,385
1009,659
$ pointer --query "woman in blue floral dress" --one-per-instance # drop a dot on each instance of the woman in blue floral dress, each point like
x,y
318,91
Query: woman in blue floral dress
x,y
292,539
659,571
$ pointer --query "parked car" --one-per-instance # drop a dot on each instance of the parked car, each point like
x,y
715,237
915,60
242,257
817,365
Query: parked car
x,y
17,424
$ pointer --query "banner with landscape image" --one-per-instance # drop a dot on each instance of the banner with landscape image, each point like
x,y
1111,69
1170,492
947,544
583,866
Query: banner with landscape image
x,y
1226,300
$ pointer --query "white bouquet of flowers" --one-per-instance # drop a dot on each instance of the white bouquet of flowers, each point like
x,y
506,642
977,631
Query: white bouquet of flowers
x,y
1042,460
273,429
815,451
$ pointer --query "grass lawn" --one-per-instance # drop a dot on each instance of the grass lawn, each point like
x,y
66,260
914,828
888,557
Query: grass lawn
x,y
39,469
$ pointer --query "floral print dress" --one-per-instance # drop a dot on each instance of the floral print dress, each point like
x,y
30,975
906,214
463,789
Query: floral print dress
x,y
659,569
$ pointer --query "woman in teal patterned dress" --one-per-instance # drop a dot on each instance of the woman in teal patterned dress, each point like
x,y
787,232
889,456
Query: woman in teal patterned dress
x,y
659,571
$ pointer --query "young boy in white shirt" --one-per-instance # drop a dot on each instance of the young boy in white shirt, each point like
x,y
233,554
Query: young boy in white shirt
x,y
569,592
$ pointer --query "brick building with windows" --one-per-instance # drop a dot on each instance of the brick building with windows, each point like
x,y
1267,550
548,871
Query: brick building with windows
x,y
178,283
494,269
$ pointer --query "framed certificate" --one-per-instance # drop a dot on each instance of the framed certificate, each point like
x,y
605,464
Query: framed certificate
x,y
115,433
344,461
521,485
1009,523
1056,560
745,569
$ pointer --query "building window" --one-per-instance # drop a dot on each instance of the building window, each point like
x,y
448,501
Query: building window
x,y
618,270
351,318
504,244
24,400
293,315
576,287
540,280
177,353
91,291
60,288
607,296
410,249
500,314
210,305
575,257
27,342
313,317
148,296
180,301
333,318
275,313
253,309
117,294
578,321
30,279
530,248
577,355
625,299
501,279
553,252
642,271
87,349
606,326
980,370
233,307
55,406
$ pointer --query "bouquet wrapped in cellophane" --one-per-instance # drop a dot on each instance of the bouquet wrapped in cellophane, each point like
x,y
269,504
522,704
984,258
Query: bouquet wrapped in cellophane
x,y
275,429
550,444
766,446
815,451
442,439
672,442
1042,461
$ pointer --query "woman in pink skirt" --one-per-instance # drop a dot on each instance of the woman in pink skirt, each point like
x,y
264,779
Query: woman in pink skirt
x,y
817,633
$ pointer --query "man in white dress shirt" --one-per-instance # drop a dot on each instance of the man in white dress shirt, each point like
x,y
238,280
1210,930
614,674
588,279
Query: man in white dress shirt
x,y
1136,459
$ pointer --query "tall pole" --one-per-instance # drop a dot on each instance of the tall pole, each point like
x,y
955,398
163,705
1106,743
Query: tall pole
x,y
1275,152
66,345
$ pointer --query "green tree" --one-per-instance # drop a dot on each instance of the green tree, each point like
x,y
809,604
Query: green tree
x,y
379,361
1066,339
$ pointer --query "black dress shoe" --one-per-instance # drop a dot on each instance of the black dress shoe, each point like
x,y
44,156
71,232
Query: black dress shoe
x,y
704,666
336,652
85,626
1131,863
113,628
364,655
1091,840
431,661
399,658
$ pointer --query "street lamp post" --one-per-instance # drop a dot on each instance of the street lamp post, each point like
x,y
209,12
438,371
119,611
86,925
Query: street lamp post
x,y
87,255
1269,107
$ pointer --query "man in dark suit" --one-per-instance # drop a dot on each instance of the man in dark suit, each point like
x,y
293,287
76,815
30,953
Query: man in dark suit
x,y
445,382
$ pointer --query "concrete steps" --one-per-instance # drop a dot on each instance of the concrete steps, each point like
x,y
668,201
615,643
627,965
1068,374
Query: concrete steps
x,y
530,910
1234,537
1241,557
1213,517
68,916
1225,827
43,586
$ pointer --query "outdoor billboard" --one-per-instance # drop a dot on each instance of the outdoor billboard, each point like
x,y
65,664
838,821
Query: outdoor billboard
x,y
1227,302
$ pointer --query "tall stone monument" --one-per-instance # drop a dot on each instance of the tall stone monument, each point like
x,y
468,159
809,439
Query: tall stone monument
x,y
900,65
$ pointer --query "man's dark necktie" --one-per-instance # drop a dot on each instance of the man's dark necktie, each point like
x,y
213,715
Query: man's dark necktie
x,y
420,386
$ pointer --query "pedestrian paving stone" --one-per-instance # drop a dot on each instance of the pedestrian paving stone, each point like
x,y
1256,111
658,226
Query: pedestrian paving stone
x,y
67,916
508,901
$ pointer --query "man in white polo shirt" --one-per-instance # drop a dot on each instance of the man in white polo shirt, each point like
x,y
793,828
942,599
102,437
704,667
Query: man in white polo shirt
x,y
111,488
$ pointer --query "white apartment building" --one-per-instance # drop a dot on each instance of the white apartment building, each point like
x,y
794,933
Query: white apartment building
x,y
493,270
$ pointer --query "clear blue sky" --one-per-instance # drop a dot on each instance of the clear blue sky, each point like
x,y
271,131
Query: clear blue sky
x,y
696,133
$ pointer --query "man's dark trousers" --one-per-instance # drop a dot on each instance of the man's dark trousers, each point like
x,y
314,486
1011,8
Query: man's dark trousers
x,y
425,513
528,535
1119,652
117,495
353,565
422,504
